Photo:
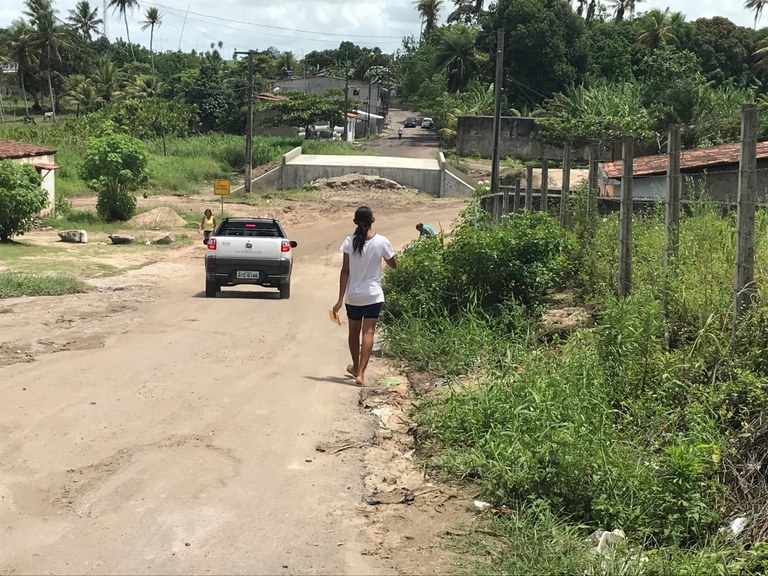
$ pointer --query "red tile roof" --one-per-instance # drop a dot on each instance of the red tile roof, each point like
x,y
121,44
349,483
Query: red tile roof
x,y
10,149
701,158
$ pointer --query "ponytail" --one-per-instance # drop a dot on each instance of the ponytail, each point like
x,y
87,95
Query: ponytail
x,y
358,242
364,220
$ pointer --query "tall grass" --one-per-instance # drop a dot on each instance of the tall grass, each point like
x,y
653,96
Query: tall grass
x,y
14,285
635,424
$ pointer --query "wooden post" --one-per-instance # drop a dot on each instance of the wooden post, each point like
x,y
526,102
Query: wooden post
x,y
625,225
516,201
672,215
745,216
529,188
544,202
672,219
496,211
565,187
505,201
594,151
497,87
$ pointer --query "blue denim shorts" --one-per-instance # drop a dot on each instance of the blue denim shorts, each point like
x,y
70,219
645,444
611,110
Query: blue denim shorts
x,y
360,312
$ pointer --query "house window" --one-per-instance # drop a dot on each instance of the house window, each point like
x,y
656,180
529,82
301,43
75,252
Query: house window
x,y
355,91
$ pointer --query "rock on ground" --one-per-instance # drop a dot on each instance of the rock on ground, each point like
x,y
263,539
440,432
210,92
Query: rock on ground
x,y
74,236
164,239
121,239
158,218
357,181
566,320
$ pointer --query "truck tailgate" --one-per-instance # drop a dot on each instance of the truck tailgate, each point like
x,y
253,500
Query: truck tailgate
x,y
245,247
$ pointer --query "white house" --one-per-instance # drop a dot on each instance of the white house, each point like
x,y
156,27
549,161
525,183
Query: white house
x,y
41,158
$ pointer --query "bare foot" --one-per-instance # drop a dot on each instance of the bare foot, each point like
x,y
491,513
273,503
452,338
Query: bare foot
x,y
351,371
359,381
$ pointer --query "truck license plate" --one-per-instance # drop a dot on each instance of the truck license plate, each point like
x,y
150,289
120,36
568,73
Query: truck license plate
x,y
247,275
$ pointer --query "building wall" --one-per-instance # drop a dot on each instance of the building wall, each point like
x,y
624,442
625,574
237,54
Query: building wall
x,y
323,83
49,178
475,138
721,184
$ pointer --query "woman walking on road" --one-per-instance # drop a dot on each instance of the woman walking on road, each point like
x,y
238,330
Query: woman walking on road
x,y
360,287
207,225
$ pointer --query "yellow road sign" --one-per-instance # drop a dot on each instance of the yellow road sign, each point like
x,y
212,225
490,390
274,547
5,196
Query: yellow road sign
x,y
221,187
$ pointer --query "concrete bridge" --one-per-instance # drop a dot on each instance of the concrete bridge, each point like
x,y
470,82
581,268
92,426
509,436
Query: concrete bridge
x,y
432,176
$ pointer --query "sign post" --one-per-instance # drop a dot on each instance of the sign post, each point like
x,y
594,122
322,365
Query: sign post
x,y
221,188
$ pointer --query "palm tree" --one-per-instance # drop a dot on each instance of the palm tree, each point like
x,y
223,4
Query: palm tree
x,y
106,79
756,6
20,49
153,19
658,28
591,11
46,37
621,7
456,54
85,20
429,11
142,88
123,7
81,92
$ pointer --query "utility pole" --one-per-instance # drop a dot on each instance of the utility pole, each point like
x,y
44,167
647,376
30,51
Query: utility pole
x,y
346,101
249,123
368,125
497,110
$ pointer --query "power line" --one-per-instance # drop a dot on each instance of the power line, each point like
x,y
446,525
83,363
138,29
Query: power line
x,y
221,19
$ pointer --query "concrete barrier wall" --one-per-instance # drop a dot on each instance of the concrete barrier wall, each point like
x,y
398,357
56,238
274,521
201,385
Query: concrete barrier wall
x,y
455,187
297,175
292,155
268,181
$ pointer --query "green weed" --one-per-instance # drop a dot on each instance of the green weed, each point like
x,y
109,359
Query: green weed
x,y
15,284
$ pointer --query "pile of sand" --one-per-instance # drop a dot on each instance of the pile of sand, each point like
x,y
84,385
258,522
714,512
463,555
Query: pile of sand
x,y
158,218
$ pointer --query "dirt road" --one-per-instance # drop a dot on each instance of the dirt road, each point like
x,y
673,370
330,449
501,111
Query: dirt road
x,y
182,438
416,142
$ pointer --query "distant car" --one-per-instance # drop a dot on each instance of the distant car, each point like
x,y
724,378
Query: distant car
x,y
410,122
427,123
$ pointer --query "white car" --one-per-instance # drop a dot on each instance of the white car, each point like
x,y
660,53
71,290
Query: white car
x,y
427,123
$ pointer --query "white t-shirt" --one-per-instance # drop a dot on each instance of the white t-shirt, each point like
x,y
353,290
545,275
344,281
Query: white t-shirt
x,y
364,286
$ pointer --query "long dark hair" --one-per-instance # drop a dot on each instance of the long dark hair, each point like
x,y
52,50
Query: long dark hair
x,y
364,220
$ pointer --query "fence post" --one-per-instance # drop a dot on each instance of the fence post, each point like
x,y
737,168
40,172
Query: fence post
x,y
625,225
745,216
672,215
565,187
544,201
516,201
496,212
505,201
592,184
528,188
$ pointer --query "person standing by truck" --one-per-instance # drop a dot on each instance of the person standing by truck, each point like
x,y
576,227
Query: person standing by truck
x,y
207,225
360,288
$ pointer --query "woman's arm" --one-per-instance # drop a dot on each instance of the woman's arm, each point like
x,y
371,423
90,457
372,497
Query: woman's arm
x,y
343,281
391,262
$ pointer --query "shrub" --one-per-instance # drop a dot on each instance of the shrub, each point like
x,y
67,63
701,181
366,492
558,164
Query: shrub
x,y
21,198
115,166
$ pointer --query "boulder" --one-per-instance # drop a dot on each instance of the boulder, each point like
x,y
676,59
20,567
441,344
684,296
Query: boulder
x,y
121,239
164,239
565,321
74,236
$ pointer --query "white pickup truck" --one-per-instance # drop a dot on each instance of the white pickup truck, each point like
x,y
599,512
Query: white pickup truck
x,y
249,251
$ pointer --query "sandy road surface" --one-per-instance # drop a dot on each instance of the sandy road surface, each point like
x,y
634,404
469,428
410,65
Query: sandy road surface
x,y
185,444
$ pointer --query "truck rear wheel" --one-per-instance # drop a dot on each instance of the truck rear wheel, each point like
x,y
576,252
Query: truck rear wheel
x,y
211,288
285,290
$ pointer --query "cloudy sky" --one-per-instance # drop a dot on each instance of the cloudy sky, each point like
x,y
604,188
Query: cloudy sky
x,y
305,25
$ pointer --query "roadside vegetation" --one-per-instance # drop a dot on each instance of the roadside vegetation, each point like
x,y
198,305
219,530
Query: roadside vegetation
x,y
649,424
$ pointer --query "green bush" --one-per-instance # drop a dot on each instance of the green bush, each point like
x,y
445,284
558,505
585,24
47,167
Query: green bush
x,y
21,198
115,166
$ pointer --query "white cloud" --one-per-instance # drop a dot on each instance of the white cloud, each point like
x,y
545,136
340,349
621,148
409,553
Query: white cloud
x,y
305,25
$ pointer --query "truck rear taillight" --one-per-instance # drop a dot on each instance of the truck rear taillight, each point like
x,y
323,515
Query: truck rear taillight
x,y
211,243
285,246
